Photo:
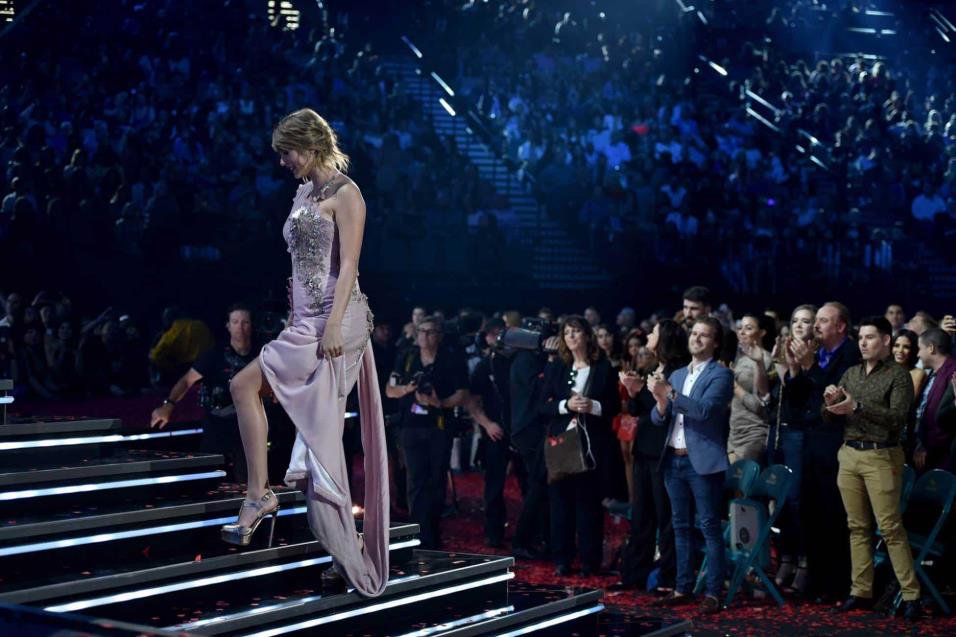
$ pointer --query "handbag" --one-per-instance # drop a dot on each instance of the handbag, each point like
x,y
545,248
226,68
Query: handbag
x,y
569,453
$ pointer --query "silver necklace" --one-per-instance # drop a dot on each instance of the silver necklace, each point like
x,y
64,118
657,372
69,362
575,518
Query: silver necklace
x,y
321,194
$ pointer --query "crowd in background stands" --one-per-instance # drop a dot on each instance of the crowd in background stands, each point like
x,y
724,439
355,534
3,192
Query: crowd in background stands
x,y
130,130
627,137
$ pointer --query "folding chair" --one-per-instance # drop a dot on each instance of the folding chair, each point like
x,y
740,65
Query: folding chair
x,y
753,554
933,494
738,482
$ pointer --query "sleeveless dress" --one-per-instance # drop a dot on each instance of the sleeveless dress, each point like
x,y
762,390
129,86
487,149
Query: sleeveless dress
x,y
313,388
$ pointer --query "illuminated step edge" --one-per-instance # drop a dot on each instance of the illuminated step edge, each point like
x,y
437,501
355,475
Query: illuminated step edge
x,y
348,614
124,535
458,623
211,580
6,496
553,621
91,440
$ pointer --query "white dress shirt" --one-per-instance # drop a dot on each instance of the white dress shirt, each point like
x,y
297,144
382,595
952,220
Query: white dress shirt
x,y
677,439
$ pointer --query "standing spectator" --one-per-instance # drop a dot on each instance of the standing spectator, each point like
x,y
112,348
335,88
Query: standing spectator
x,y
697,303
651,526
936,411
579,389
894,314
828,562
872,403
695,460
609,342
749,426
905,350
792,354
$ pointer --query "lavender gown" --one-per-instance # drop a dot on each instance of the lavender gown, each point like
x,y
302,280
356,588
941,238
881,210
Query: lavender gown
x,y
313,389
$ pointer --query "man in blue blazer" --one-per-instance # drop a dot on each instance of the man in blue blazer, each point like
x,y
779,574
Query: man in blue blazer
x,y
694,404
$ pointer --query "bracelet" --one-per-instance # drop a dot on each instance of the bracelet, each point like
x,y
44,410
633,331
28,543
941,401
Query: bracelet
x,y
168,401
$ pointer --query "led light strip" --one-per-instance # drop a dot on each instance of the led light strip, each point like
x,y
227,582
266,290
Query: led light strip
x,y
89,440
202,623
7,496
554,621
458,623
374,608
201,582
124,535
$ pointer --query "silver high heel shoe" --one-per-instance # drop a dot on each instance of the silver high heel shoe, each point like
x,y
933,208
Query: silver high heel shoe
x,y
242,535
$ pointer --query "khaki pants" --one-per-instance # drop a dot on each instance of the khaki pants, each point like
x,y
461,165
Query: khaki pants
x,y
870,482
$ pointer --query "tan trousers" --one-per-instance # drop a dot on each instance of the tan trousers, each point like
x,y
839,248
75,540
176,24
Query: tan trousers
x,y
870,482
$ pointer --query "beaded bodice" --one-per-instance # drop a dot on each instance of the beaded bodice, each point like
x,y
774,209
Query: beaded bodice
x,y
312,239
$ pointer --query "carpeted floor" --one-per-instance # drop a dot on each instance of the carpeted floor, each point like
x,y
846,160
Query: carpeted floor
x,y
463,531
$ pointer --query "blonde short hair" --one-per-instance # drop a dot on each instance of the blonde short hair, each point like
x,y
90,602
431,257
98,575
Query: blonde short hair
x,y
306,130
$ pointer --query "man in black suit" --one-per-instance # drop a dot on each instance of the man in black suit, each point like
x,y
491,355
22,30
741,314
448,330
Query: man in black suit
x,y
825,532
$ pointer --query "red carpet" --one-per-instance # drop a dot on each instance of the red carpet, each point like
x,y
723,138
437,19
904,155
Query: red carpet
x,y
464,532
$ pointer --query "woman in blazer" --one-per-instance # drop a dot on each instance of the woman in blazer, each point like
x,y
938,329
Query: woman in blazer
x,y
580,386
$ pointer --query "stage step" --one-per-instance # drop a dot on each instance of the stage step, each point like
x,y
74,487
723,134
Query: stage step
x,y
26,442
289,600
294,549
68,488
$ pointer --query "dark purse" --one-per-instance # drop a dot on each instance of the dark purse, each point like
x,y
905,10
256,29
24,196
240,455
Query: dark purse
x,y
568,453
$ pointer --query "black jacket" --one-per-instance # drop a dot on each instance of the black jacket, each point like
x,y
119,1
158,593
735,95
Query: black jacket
x,y
649,441
802,399
601,386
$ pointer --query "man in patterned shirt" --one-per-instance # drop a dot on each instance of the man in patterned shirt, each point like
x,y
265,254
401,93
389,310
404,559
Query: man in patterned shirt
x,y
872,402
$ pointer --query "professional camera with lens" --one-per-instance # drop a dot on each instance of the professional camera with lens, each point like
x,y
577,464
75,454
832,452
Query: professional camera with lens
x,y
424,382
531,336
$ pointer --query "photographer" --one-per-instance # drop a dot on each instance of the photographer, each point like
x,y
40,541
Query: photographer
x,y
488,405
215,369
430,381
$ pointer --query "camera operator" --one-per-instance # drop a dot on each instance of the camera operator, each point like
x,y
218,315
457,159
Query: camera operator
x,y
532,535
215,369
430,381
488,405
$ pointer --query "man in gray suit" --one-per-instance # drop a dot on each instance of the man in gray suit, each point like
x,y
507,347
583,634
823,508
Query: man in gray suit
x,y
694,403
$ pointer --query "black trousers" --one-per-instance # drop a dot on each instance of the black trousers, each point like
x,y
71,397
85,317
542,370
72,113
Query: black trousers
x,y
427,452
576,510
494,459
533,520
650,527
823,518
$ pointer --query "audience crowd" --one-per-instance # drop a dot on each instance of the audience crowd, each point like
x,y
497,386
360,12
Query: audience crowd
x,y
851,164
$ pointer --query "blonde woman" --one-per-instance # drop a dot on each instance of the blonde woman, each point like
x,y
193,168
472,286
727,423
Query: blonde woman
x,y
313,364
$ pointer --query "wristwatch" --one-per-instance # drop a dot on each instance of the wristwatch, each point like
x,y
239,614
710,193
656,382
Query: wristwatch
x,y
858,407
672,395
167,401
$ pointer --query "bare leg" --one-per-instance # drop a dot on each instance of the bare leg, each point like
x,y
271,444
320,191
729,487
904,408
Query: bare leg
x,y
627,450
247,388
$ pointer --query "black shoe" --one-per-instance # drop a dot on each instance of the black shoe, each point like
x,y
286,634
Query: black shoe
x,y
675,599
855,603
709,605
562,570
912,610
618,587
525,554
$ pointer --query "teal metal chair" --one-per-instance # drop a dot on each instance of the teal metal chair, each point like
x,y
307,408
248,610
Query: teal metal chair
x,y
909,479
932,495
738,482
748,556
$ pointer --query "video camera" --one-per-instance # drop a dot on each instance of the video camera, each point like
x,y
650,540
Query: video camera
x,y
531,336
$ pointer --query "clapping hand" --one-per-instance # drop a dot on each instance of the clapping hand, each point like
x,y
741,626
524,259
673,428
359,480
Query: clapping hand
x,y
801,351
659,387
844,407
751,351
632,382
